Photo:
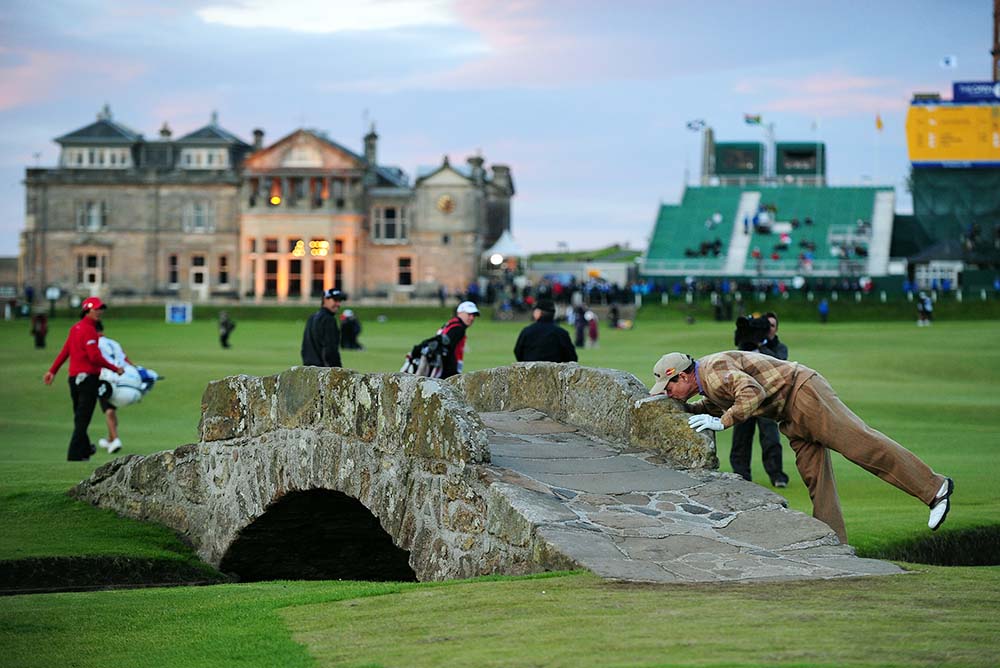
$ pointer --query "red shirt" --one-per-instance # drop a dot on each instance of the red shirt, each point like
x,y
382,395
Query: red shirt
x,y
81,348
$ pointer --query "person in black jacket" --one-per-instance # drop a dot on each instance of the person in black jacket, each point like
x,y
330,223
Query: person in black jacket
x,y
544,341
770,438
321,338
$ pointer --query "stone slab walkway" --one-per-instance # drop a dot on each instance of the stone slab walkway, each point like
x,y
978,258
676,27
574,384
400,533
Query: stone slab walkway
x,y
624,515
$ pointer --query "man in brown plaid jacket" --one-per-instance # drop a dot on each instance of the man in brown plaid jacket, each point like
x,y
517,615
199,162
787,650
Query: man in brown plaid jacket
x,y
738,385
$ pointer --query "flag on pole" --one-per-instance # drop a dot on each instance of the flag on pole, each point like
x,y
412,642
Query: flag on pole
x,y
878,122
752,119
949,62
696,125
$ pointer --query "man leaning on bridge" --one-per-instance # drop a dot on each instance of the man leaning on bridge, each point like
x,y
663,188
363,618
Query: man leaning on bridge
x,y
737,385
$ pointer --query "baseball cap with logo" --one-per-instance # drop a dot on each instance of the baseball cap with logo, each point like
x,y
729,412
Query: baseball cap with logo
x,y
467,307
91,303
334,293
667,368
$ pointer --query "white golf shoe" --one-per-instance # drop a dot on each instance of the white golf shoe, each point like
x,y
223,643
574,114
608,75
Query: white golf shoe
x,y
114,446
941,505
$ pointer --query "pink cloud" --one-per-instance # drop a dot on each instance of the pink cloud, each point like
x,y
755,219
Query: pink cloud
x,y
828,93
42,76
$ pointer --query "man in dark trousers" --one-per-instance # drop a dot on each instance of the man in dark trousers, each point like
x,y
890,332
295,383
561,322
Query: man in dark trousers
x,y
321,338
544,341
453,336
85,364
770,438
737,385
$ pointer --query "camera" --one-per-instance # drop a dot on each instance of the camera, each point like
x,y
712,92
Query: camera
x,y
751,332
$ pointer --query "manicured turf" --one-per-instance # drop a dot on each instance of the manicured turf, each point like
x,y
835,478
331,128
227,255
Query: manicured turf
x,y
933,389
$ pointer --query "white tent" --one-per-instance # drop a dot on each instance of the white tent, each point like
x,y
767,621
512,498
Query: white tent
x,y
505,246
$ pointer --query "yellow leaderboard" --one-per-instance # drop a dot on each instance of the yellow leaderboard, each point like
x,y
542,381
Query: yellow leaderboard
x,y
954,134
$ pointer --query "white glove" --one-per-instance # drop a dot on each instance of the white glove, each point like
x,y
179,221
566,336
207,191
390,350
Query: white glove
x,y
704,421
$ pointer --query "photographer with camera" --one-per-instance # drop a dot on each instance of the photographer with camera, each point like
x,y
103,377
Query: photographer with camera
x,y
759,335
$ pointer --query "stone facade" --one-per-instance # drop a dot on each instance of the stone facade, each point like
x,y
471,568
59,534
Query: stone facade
x,y
210,217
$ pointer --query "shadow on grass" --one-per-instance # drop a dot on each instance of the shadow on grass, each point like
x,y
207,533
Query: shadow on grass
x,y
52,574
979,546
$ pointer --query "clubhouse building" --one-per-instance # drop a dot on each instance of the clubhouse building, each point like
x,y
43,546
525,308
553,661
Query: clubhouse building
x,y
209,217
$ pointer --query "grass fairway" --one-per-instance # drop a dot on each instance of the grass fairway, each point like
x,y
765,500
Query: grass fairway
x,y
933,389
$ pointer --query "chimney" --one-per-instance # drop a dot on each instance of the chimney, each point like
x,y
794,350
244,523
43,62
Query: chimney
x,y
371,143
258,139
478,174
165,132
501,178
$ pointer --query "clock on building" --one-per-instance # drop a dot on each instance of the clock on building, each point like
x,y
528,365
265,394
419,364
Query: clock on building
x,y
446,204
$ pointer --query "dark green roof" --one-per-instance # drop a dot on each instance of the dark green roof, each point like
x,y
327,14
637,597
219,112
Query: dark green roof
x,y
211,134
104,131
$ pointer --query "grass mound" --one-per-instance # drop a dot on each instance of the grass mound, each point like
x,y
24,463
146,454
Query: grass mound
x,y
50,574
978,546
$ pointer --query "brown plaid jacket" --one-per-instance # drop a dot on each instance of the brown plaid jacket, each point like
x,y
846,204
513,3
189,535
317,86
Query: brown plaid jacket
x,y
739,385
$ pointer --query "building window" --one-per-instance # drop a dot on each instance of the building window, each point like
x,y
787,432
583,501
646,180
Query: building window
x,y
271,245
173,273
318,277
319,247
405,271
198,273
295,278
389,224
252,244
199,216
338,274
91,216
445,239
91,269
223,270
338,246
270,278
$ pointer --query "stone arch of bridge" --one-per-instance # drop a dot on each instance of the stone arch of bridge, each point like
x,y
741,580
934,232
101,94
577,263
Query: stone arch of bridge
x,y
318,534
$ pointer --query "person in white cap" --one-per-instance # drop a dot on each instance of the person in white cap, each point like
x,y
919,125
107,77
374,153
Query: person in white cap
x,y
454,331
350,330
737,385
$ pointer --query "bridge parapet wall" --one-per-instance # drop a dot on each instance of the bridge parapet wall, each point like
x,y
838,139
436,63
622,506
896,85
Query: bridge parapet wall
x,y
606,402
423,417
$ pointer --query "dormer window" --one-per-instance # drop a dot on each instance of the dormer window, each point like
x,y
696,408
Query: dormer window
x,y
204,158
97,157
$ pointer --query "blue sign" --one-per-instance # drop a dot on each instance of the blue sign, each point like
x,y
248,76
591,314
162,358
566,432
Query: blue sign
x,y
975,91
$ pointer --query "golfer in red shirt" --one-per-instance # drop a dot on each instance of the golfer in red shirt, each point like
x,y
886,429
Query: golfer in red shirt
x,y
85,364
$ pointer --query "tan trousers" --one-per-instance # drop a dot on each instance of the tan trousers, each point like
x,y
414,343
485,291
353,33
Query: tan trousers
x,y
816,422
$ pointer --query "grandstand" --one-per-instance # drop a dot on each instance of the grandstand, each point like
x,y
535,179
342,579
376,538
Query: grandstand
x,y
773,231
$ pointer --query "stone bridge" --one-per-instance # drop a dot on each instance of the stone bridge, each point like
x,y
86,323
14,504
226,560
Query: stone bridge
x,y
328,473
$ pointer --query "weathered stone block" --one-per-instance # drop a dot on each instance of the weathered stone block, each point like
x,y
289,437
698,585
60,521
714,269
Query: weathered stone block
x,y
660,424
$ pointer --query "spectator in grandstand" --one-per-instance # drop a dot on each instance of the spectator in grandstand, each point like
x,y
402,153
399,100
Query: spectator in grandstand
x,y
770,439
738,385
544,341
